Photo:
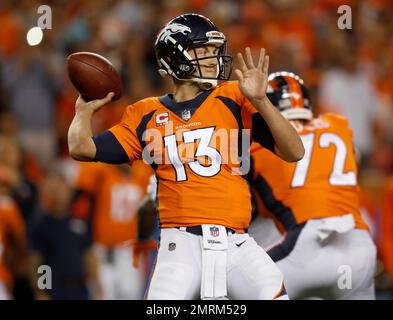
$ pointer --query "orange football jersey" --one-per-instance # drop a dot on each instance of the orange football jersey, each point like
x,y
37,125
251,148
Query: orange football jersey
x,y
196,146
322,184
12,230
117,199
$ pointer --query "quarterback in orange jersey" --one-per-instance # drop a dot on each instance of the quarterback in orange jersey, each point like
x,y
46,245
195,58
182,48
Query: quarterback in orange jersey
x,y
117,192
196,140
327,251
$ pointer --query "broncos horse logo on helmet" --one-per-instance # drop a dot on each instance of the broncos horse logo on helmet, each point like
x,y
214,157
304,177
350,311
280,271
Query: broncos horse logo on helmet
x,y
186,32
169,30
287,92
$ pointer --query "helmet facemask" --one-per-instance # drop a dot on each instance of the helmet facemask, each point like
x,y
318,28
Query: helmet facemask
x,y
223,67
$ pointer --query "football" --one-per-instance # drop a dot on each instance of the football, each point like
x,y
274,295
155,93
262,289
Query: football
x,y
93,76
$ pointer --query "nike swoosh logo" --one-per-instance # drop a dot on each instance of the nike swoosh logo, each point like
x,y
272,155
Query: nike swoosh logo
x,y
239,244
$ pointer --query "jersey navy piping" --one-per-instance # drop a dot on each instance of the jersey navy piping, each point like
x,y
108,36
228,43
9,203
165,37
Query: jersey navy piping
x,y
236,111
284,248
178,107
283,213
141,129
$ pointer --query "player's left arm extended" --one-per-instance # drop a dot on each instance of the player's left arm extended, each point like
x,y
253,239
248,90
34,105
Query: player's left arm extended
x,y
253,82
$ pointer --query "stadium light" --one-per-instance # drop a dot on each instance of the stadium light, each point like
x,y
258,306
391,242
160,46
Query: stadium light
x,y
34,36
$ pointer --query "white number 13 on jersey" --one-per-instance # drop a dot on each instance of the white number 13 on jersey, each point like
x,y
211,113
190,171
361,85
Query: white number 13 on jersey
x,y
337,176
204,136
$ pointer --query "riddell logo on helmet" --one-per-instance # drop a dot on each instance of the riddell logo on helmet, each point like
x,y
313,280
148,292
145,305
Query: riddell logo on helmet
x,y
184,67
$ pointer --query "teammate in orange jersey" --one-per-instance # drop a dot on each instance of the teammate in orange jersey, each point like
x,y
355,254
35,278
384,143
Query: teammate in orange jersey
x,y
203,196
327,251
117,192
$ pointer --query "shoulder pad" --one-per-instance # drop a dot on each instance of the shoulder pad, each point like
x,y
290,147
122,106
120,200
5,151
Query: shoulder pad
x,y
335,118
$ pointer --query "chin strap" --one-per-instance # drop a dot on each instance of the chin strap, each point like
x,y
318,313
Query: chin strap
x,y
203,84
206,84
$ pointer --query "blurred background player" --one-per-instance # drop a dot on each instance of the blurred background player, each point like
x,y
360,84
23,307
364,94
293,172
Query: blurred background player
x,y
148,226
316,202
64,244
12,227
116,193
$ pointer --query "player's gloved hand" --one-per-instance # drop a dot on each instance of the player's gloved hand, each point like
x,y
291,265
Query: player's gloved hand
x,y
93,105
142,248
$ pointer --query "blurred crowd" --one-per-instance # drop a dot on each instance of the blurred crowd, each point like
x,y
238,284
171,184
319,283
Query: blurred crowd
x,y
58,211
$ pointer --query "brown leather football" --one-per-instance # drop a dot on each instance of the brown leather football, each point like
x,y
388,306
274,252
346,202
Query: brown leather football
x,y
93,76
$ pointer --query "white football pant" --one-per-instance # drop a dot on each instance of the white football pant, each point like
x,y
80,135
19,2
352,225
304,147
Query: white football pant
x,y
340,267
264,232
118,277
251,274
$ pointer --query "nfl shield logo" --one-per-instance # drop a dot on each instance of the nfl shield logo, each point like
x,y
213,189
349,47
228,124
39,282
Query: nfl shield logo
x,y
214,231
186,115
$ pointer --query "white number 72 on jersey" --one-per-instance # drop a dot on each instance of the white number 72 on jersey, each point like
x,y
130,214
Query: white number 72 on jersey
x,y
337,176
